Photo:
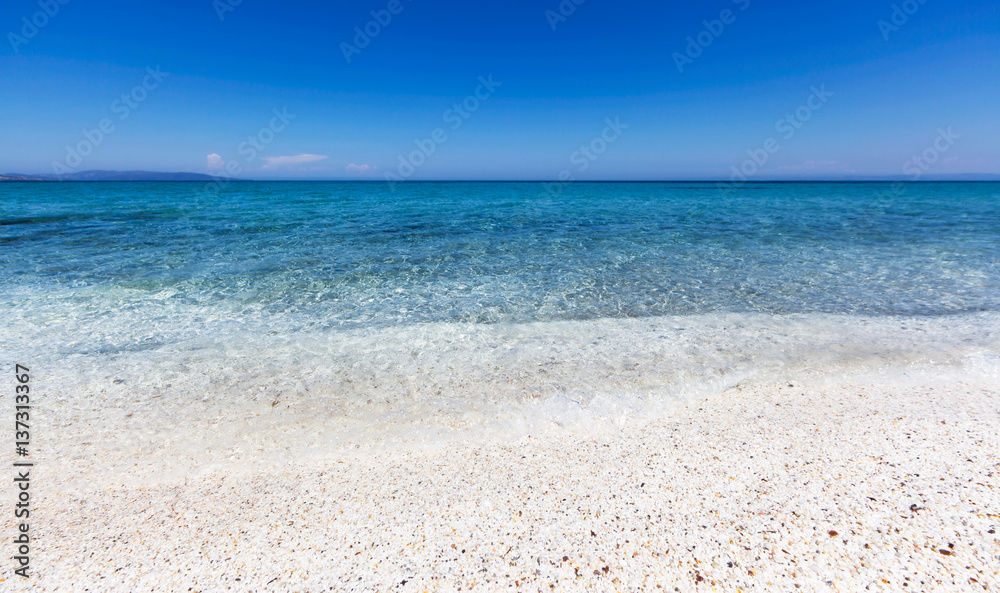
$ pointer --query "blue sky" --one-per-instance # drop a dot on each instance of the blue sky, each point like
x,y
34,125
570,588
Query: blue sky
x,y
894,77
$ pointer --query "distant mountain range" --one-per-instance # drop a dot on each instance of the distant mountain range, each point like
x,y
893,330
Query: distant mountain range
x,y
114,176
162,176
13,177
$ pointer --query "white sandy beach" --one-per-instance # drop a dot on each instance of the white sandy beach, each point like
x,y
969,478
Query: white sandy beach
x,y
766,488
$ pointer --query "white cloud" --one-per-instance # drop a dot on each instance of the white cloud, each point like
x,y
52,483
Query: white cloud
x,y
361,168
273,162
215,162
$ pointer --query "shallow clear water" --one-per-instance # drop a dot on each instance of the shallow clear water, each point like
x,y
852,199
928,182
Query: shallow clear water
x,y
338,313
338,254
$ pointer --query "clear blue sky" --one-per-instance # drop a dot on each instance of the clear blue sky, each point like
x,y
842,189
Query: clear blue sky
x,y
893,87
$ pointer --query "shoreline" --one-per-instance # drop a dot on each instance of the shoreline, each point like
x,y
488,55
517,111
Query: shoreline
x,y
147,415
761,488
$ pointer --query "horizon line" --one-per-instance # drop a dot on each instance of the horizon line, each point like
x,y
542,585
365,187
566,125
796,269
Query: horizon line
x,y
345,180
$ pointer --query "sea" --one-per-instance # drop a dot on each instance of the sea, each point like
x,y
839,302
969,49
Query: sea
x,y
180,327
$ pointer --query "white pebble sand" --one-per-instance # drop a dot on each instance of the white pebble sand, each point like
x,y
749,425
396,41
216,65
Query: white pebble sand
x,y
777,488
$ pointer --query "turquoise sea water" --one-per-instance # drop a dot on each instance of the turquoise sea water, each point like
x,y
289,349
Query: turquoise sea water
x,y
355,253
334,313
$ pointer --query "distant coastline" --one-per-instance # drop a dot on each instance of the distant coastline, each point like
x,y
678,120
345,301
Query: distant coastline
x,y
184,176
116,176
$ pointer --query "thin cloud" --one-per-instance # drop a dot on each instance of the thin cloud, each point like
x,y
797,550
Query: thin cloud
x,y
274,162
814,166
361,168
215,162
